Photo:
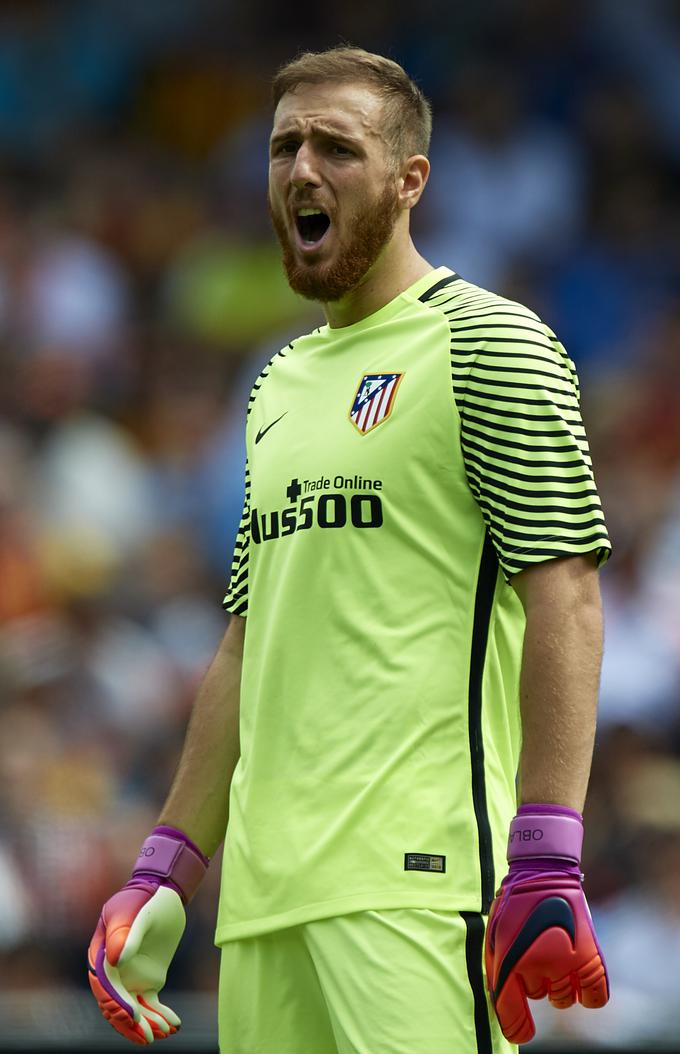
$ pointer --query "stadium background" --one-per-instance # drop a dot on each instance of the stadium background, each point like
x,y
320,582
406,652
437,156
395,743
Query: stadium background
x,y
140,293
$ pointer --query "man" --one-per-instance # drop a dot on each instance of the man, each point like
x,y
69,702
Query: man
x,y
415,620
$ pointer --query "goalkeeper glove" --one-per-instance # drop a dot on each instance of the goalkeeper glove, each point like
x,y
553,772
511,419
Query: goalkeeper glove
x,y
539,938
138,933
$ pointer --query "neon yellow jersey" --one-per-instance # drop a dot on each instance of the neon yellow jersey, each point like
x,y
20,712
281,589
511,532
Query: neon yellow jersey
x,y
399,472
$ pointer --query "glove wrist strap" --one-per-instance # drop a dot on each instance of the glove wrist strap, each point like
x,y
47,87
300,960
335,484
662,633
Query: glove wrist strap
x,y
546,831
170,856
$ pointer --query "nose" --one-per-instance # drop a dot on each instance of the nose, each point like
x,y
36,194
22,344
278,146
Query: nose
x,y
304,172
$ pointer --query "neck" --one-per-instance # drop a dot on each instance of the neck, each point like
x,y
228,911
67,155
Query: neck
x,y
397,268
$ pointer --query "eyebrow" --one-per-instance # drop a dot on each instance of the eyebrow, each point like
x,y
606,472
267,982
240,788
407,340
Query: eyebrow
x,y
326,132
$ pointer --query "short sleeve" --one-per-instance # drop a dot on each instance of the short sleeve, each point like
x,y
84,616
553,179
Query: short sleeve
x,y
524,445
236,599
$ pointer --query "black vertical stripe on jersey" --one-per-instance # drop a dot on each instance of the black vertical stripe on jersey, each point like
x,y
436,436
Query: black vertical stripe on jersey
x,y
474,942
448,280
486,587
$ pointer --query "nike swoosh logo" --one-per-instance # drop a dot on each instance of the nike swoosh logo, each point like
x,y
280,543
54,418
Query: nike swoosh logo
x,y
263,431
553,911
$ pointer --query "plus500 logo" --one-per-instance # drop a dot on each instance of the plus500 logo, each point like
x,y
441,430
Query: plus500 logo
x,y
326,510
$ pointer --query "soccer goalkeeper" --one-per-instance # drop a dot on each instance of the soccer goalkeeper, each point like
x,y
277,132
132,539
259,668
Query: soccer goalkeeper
x,y
415,623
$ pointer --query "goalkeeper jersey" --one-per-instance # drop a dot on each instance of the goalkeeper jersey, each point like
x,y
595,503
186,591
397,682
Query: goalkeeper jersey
x,y
399,472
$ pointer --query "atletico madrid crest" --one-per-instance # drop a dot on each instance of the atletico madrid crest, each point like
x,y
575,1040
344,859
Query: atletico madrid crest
x,y
374,400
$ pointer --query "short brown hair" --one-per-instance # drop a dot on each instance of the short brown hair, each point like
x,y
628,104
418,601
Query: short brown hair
x,y
407,113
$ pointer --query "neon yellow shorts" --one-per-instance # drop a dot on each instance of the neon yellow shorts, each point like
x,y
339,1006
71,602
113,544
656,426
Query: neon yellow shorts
x,y
373,982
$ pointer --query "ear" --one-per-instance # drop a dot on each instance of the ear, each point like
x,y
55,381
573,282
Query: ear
x,y
412,179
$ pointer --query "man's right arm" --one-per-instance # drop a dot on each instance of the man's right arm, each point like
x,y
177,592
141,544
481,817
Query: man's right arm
x,y
198,802
141,925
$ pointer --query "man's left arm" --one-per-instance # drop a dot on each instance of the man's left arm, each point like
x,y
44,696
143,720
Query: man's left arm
x,y
559,679
529,468
540,939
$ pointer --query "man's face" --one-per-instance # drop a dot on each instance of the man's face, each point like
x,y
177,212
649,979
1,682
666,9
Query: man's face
x,y
332,191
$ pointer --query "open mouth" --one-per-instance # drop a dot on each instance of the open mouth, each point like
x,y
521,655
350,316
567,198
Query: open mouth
x,y
312,226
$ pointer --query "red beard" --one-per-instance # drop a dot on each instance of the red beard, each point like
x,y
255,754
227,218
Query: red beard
x,y
371,229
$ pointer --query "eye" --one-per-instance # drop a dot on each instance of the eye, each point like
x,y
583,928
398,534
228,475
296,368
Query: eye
x,y
340,150
287,146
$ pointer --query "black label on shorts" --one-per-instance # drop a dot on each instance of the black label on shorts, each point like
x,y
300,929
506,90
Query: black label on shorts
x,y
424,862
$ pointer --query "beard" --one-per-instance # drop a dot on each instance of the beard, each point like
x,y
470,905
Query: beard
x,y
371,227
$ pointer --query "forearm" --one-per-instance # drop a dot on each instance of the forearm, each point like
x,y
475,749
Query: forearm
x,y
198,802
559,687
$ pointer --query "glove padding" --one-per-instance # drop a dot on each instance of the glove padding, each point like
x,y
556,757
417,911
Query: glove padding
x,y
138,933
540,938
129,955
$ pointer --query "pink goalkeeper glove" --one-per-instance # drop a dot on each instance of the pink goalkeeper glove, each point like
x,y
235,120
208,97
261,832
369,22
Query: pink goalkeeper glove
x,y
138,933
539,938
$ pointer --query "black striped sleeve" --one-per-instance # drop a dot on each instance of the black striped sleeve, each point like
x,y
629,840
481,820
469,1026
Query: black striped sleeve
x,y
236,599
524,446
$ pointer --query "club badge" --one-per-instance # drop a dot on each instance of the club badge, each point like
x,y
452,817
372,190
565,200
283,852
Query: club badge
x,y
374,400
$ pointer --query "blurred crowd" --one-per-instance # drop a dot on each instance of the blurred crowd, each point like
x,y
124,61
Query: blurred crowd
x,y
140,294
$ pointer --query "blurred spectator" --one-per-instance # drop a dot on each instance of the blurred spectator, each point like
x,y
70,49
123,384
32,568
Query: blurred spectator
x,y
504,185
643,37
75,298
92,483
